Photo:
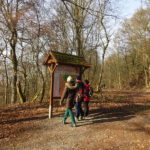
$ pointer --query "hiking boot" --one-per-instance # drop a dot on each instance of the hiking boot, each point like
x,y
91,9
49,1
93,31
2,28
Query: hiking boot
x,y
76,119
63,121
81,118
73,125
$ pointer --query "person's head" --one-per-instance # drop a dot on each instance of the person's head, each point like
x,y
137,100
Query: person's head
x,y
86,81
69,79
78,78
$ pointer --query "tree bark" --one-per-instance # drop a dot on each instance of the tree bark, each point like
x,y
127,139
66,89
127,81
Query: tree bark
x,y
20,93
102,69
105,44
13,42
6,86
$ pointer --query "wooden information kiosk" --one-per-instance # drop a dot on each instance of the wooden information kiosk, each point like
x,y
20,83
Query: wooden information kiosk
x,y
60,66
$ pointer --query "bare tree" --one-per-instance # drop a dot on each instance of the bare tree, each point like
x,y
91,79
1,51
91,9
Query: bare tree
x,y
11,13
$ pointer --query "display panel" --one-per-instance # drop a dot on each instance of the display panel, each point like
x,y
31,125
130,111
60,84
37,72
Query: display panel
x,y
60,75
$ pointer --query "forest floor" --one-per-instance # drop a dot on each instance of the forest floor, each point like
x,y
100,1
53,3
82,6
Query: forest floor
x,y
118,121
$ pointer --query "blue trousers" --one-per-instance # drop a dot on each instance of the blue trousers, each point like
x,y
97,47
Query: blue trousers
x,y
86,108
78,109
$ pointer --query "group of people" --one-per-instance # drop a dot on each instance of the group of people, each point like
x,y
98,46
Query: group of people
x,y
76,93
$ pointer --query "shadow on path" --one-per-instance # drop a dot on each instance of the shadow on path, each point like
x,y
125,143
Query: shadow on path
x,y
112,114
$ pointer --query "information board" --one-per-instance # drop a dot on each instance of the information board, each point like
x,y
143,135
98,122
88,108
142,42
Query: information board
x,y
60,75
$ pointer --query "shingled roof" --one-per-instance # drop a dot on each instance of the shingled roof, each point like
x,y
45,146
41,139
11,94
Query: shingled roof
x,y
63,58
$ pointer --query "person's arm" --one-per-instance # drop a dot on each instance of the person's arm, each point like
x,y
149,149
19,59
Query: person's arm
x,y
71,86
63,95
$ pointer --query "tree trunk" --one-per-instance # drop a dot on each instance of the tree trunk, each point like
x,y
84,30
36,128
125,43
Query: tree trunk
x,y
101,71
24,91
13,42
20,93
6,86
146,78
25,84
78,23
14,82
42,92
105,44
149,76
100,80
95,69
119,80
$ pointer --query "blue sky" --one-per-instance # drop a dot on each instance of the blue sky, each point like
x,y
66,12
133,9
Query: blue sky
x,y
126,9
129,7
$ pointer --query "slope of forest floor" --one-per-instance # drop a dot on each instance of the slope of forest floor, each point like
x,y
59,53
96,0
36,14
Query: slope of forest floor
x,y
118,121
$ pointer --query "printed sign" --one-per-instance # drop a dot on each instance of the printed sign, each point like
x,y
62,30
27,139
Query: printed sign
x,y
60,76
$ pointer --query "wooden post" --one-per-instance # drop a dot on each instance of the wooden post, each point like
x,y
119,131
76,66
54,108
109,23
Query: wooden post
x,y
82,69
51,96
80,72
52,70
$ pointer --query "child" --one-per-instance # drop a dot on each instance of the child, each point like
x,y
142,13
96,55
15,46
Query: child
x,y
86,98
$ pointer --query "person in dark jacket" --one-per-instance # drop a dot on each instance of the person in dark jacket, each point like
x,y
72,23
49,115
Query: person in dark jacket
x,y
79,98
86,98
69,93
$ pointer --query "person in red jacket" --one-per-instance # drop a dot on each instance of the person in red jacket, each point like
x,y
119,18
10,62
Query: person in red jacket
x,y
86,98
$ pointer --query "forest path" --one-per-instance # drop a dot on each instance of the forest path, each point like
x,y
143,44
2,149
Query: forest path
x,y
111,126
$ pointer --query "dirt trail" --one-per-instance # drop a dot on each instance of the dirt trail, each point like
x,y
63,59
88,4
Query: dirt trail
x,y
111,126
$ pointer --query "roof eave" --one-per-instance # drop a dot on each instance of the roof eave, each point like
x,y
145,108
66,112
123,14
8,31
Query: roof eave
x,y
78,65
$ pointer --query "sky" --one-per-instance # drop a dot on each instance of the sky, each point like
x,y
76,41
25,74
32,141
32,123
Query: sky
x,y
129,7
126,9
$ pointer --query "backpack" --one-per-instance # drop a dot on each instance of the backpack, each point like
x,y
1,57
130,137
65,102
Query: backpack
x,y
90,91
79,95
